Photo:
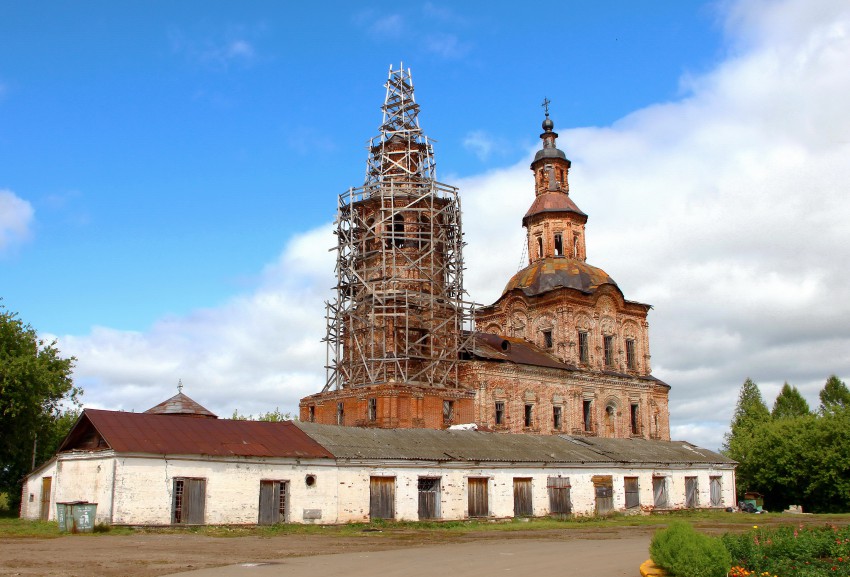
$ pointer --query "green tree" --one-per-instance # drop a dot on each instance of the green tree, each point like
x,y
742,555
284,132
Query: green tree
x,y
789,403
750,412
802,461
272,416
834,395
36,390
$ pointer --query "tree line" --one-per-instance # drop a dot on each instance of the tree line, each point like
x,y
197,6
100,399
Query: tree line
x,y
792,454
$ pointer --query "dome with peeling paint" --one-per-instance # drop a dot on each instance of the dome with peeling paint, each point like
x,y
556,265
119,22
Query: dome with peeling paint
x,y
549,274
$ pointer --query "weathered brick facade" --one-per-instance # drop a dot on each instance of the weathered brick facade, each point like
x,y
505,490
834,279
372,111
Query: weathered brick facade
x,y
561,351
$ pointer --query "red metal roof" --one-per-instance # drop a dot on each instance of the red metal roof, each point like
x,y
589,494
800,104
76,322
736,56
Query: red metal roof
x,y
553,202
186,435
181,404
515,350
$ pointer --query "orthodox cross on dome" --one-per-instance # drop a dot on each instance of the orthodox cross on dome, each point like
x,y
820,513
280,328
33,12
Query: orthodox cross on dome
x,y
179,385
545,105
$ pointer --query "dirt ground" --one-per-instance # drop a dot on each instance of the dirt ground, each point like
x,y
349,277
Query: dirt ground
x,y
155,554
151,555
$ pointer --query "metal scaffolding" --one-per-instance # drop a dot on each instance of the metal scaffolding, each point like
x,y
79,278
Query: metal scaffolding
x,y
399,314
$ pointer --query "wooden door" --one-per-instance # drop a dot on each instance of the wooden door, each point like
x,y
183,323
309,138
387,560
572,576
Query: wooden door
x,y
604,489
382,498
189,501
559,495
46,484
272,502
632,492
690,492
659,491
429,498
522,497
478,502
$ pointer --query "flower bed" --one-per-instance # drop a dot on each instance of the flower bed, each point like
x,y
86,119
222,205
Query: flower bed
x,y
790,551
787,551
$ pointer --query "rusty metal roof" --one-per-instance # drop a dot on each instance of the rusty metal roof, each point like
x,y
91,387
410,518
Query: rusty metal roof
x,y
435,445
553,202
181,404
515,350
552,273
186,435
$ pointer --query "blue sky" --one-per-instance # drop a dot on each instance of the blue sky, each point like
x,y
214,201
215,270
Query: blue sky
x,y
168,173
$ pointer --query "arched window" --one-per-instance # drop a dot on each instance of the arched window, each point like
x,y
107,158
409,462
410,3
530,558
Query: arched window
x,y
397,232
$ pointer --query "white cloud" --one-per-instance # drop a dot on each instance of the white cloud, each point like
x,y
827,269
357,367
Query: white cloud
x,y
483,145
216,52
727,210
258,351
16,217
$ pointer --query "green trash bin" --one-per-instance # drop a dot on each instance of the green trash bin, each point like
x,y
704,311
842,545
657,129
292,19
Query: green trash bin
x,y
82,517
62,513
76,517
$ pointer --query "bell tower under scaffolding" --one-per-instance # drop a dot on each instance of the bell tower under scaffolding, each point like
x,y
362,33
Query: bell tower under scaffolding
x,y
398,316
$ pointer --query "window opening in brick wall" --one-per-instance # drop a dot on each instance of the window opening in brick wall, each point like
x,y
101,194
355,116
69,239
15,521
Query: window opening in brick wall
x,y
311,413
583,346
586,415
547,339
631,360
500,413
557,417
634,419
448,412
529,413
608,348
340,413
372,409
559,244
539,247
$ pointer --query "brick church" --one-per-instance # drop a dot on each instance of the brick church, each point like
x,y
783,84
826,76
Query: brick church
x,y
561,351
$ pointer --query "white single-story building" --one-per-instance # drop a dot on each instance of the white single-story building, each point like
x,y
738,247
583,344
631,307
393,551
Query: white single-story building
x,y
178,464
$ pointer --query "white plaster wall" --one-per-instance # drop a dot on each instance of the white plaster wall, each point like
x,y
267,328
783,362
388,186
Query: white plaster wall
x,y
143,487
31,493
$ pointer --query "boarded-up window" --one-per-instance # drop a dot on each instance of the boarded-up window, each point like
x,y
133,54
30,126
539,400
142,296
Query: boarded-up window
x,y
188,501
429,498
522,497
659,491
716,497
691,500
382,498
272,502
604,489
559,495
478,503
632,494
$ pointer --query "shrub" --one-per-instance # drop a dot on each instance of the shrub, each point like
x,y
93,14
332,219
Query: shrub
x,y
681,551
